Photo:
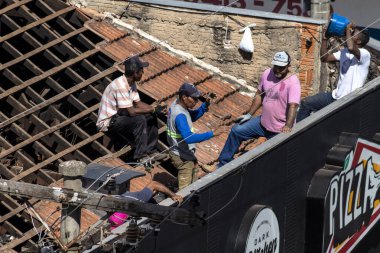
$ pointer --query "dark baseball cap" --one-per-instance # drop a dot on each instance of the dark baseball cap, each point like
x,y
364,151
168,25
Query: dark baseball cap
x,y
133,65
188,89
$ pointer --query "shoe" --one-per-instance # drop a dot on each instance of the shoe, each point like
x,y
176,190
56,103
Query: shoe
x,y
156,156
144,159
209,168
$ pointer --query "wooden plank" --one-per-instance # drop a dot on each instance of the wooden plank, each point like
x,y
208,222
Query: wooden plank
x,y
13,6
58,96
48,131
36,23
81,133
25,135
57,156
12,229
27,162
43,47
82,107
101,202
20,155
48,73
63,143
15,211
28,235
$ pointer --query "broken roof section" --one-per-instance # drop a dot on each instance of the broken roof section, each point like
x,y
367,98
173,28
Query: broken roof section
x,y
55,63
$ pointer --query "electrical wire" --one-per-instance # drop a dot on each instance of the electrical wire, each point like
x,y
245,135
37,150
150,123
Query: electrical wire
x,y
27,206
161,222
89,195
230,201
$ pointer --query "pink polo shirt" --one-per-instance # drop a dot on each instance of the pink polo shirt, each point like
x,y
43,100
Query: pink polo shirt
x,y
278,94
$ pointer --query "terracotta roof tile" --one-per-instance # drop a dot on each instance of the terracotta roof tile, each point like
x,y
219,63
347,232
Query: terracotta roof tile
x,y
127,47
168,83
107,31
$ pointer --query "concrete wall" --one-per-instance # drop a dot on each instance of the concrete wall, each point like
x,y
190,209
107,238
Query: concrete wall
x,y
215,38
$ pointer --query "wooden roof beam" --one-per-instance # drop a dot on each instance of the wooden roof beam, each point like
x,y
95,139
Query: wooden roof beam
x,y
13,6
57,156
36,23
47,73
58,96
42,48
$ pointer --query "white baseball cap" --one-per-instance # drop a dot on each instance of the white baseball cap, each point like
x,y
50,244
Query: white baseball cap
x,y
281,59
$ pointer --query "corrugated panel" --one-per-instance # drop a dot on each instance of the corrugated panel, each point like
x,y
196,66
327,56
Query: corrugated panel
x,y
156,173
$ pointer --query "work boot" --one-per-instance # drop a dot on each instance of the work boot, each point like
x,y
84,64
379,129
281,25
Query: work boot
x,y
208,168
157,156
144,159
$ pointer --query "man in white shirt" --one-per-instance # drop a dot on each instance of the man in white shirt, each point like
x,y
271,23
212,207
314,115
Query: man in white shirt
x,y
125,118
353,70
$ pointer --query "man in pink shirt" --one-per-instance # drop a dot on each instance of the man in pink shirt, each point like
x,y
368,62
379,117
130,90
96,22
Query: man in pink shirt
x,y
279,94
125,118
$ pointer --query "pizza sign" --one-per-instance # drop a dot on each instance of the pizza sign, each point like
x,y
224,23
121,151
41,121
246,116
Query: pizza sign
x,y
352,201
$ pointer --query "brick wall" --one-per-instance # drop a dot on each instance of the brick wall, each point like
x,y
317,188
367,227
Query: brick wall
x,y
215,39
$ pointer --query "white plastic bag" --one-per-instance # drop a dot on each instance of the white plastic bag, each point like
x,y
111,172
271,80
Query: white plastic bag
x,y
246,43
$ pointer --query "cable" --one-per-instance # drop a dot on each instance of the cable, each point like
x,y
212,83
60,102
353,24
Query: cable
x,y
163,220
229,202
178,223
27,206
89,195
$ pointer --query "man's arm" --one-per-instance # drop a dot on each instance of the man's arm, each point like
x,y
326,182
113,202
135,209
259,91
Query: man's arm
x,y
290,117
137,108
257,101
325,55
158,187
351,46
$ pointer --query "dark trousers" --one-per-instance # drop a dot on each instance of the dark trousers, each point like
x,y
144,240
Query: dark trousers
x,y
313,104
141,130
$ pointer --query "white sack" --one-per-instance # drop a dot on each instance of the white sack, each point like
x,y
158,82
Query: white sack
x,y
246,43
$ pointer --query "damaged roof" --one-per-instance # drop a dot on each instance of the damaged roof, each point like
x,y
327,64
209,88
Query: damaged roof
x,y
55,63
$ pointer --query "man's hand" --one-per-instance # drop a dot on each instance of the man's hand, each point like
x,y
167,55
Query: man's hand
x,y
244,118
220,130
324,32
207,98
286,129
351,27
177,198
160,109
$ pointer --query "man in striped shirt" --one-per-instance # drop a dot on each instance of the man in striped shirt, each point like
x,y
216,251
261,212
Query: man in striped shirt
x,y
125,118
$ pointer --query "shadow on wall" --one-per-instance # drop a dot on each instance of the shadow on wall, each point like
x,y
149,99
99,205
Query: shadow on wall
x,y
245,55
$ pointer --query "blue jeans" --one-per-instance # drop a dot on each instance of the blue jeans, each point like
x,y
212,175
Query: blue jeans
x,y
314,103
248,130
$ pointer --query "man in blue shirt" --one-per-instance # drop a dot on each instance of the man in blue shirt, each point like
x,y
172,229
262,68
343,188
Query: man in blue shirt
x,y
181,135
